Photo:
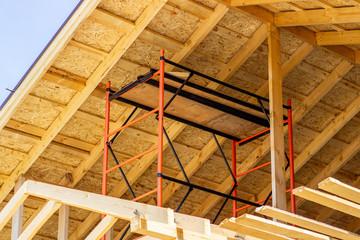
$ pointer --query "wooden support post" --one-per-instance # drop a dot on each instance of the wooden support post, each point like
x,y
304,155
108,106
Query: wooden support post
x,y
110,234
63,222
276,119
46,212
106,223
16,225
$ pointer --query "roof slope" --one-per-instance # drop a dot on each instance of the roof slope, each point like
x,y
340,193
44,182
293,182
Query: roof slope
x,y
53,127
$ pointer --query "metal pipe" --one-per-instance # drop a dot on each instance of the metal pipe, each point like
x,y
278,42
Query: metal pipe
x,y
233,143
106,139
291,157
126,121
210,190
134,121
132,159
176,156
183,200
161,126
255,168
121,171
223,155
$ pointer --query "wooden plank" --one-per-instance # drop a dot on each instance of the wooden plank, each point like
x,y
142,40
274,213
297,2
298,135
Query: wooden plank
x,y
105,224
343,190
328,200
63,222
300,32
319,16
98,53
335,165
115,207
46,212
199,35
11,207
96,77
38,70
153,229
16,222
278,228
232,225
307,223
257,2
192,7
276,120
338,38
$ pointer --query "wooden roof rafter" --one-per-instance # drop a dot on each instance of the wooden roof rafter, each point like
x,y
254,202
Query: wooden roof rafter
x,y
302,109
299,31
81,96
173,130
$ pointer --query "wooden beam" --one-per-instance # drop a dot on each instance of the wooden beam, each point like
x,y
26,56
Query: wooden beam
x,y
11,207
96,77
46,212
63,222
320,140
199,35
300,32
153,229
343,190
335,165
16,223
105,224
301,110
232,225
276,120
278,228
257,2
307,223
44,62
338,38
319,16
328,200
192,7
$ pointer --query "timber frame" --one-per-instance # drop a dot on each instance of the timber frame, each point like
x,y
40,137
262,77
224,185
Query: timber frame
x,y
52,126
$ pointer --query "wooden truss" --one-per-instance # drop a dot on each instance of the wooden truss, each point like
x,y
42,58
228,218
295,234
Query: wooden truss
x,y
163,223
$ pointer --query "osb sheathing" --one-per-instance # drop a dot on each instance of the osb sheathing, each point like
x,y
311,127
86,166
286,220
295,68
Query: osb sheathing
x,y
97,35
47,100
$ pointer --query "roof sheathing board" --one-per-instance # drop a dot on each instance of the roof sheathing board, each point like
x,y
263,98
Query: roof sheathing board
x,y
210,66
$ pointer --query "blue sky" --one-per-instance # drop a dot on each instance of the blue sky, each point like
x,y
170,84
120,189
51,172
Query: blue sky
x,y
26,28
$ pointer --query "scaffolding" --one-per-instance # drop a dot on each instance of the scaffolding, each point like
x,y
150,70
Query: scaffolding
x,y
179,91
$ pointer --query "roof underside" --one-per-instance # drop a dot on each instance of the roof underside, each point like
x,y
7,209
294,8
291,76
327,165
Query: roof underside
x,y
55,133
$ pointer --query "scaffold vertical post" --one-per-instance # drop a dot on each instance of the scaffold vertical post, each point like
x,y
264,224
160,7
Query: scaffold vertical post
x,y
234,173
160,116
291,156
106,139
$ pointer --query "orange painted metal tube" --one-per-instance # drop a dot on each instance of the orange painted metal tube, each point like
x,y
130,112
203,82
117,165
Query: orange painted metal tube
x,y
256,134
260,201
132,159
161,126
233,143
134,121
251,170
291,157
106,139
144,195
